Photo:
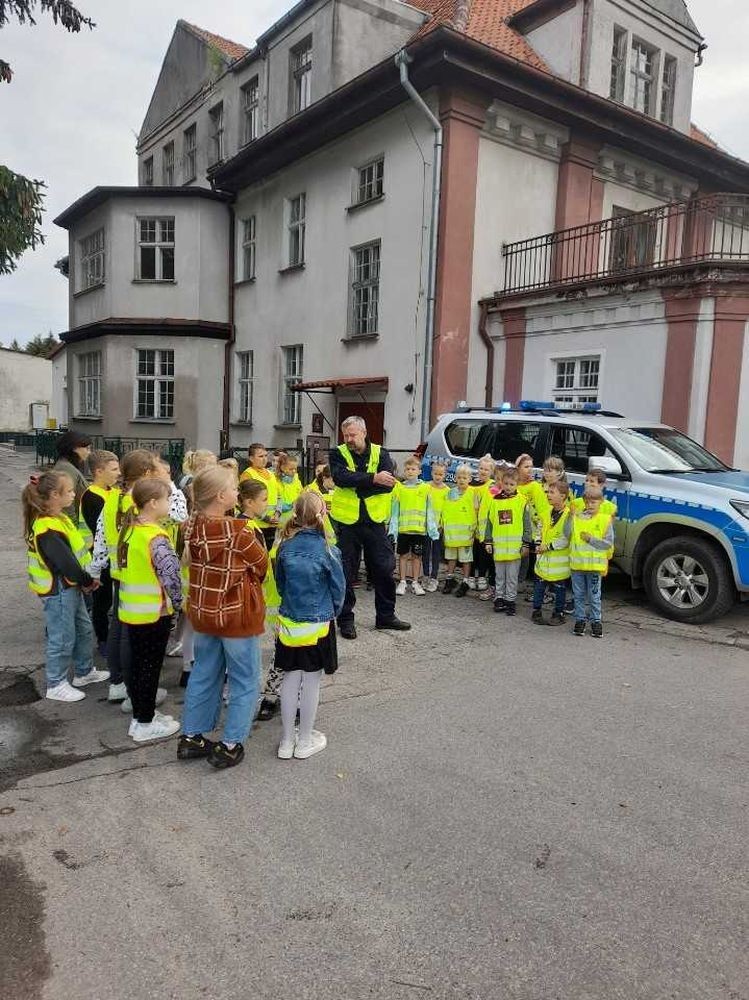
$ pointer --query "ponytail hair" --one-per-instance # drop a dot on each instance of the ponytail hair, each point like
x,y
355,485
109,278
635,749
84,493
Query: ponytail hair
x,y
250,489
143,491
204,489
309,512
35,497
138,463
196,460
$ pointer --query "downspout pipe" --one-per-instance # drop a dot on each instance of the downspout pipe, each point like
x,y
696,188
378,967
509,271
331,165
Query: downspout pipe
x,y
402,60
229,345
489,384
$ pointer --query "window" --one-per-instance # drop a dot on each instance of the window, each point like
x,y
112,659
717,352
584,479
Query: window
x,y
189,153
155,249
472,437
248,248
167,165
216,116
301,76
576,380
292,373
668,90
642,72
576,446
633,239
89,384
92,260
297,229
250,111
246,361
618,65
154,384
365,289
148,172
370,181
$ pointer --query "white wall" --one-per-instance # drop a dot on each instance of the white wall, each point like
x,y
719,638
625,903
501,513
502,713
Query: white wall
x,y
741,450
59,407
703,351
558,42
24,379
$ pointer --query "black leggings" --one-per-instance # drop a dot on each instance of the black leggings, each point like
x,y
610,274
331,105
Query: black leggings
x,y
101,603
147,649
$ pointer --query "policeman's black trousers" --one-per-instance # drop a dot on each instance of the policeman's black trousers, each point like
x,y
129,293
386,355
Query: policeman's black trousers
x,y
379,558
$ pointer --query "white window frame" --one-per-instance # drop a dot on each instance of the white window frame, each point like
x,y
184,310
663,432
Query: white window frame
x,y
618,82
249,248
216,119
641,80
296,230
300,73
366,266
576,378
167,164
370,180
162,380
250,110
190,154
292,362
88,401
669,76
245,386
92,253
160,243
148,172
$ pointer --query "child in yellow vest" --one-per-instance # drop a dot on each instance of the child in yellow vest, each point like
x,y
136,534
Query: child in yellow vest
x,y
289,486
411,521
591,536
483,568
552,556
458,523
57,561
323,485
507,537
150,593
105,470
434,547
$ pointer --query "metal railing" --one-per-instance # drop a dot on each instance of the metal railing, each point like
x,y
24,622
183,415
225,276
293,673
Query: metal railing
x,y
171,449
714,229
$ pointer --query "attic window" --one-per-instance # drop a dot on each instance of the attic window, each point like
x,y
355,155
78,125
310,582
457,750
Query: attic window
x,y
216,116
668,90
618,65
642,72
301,76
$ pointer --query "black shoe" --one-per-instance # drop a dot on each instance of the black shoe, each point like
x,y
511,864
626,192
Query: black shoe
x,y
193,747
596,630
222,757
538,617
395,624
500,604
268,710
450,584
510,609
462,589
556,619
347,630
579,628
184,677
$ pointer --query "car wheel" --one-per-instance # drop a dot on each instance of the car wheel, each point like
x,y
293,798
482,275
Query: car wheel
x,y
689,580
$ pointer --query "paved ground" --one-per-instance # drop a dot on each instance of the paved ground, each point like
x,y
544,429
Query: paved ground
x,y
503,812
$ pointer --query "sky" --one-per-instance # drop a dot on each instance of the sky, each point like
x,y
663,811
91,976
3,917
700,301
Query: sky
x,y
76,103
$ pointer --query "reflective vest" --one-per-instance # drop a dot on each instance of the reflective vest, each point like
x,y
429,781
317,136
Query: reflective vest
x,y
142,597
459,519
539,504
483,498
269,481
607,507
41,579
346,506
115,507
437,499
506,527
184,581
412,508
583,557
555,564
293,633
83,527
327,497
270,590
287,495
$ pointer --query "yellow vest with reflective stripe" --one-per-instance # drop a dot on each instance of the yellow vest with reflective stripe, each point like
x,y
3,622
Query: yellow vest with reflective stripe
x,y
412,508
142,598
115,507
346,506
83,527
459,519
553,565
437,498
538,502
607,507
270,590
269,481
293,633
506,526
40,577
583,557
483,498
287,495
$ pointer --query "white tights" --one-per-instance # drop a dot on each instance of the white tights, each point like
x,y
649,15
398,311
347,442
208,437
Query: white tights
x,y
302,688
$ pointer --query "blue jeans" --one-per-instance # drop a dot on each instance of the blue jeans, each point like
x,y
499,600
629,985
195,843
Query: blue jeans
x,y
586,588
432,558
559,589
216,656
70,635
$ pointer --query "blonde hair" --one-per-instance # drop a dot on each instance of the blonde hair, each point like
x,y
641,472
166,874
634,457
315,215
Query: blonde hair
x,y
525,457
196,460
412,460
143,491
308,512
98,459
489,460
36,495
554,464
208,483
464,469
228,463
439,465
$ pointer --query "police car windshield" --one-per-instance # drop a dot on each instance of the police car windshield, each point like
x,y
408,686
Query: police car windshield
x,y
665,450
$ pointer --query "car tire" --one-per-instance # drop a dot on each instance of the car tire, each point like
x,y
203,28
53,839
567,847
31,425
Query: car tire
x,y
701,561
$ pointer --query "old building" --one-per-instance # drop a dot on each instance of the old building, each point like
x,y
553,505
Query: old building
x,y
26,394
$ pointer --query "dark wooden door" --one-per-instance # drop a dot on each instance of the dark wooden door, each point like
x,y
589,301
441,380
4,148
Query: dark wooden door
x,y
372,413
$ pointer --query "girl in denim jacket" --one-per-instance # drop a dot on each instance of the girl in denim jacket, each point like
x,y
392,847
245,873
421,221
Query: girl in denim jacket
x,y
312,587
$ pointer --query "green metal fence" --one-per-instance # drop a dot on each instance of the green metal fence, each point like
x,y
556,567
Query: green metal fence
x,y
171,449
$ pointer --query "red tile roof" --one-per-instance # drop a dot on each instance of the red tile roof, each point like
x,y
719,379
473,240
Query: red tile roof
x,y
699,136
232,50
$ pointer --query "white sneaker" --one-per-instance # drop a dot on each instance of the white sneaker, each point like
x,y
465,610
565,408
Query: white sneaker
x,y
286,749
64,692
117,692
432,585
471,582
132,728
401,588
94,676
157,717
144,732
127,705
175,649
418,589
481,583
308,748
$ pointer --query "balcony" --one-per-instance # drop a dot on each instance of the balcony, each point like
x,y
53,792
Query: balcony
x,y
707,232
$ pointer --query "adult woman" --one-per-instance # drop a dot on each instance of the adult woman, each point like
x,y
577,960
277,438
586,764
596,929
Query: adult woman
x,y
257,455
73,450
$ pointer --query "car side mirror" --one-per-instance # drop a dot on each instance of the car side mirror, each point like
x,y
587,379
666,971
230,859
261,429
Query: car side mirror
x,y
608,464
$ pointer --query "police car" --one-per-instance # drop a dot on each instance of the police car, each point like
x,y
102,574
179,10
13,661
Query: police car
x,y
682,530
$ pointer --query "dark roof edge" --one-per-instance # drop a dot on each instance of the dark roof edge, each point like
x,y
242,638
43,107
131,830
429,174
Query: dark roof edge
x,y
134,325
537,13
102,193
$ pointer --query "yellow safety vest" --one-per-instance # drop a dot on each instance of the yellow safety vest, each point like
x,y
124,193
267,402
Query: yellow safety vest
x,y
346,506
483,498
287,495
83,527
539,504
327,497
40,577
583,557
459,520
412,508
293,633
270,590
506,523
115,507
269,481
142,597
437,498
607,507
553,565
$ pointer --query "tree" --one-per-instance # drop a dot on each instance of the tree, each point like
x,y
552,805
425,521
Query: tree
x,y
21,199
41,346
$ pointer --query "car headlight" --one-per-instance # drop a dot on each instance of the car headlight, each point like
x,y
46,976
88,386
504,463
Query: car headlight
x,y
742,506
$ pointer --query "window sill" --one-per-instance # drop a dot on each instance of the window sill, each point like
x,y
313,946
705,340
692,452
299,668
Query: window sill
x,y
89,417
151,420
91,288
291,268
247,424
287,427
244,281
359,338
363,204
154,281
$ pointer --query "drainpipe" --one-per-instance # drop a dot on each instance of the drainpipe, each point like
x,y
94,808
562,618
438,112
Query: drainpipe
x,y
230,342
489,385
402,60
585,45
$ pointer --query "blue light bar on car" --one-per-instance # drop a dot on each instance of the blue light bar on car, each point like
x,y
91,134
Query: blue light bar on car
x,y
591,407
534,404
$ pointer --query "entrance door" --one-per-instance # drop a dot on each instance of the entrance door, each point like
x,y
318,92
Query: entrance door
x,y
372,413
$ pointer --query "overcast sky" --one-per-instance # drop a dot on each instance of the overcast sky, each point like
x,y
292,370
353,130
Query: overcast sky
x,y
76,103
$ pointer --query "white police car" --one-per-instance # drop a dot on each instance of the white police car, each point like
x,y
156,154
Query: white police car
x,y
682,530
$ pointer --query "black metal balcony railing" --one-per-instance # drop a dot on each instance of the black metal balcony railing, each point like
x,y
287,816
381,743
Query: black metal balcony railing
x,y
714,229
